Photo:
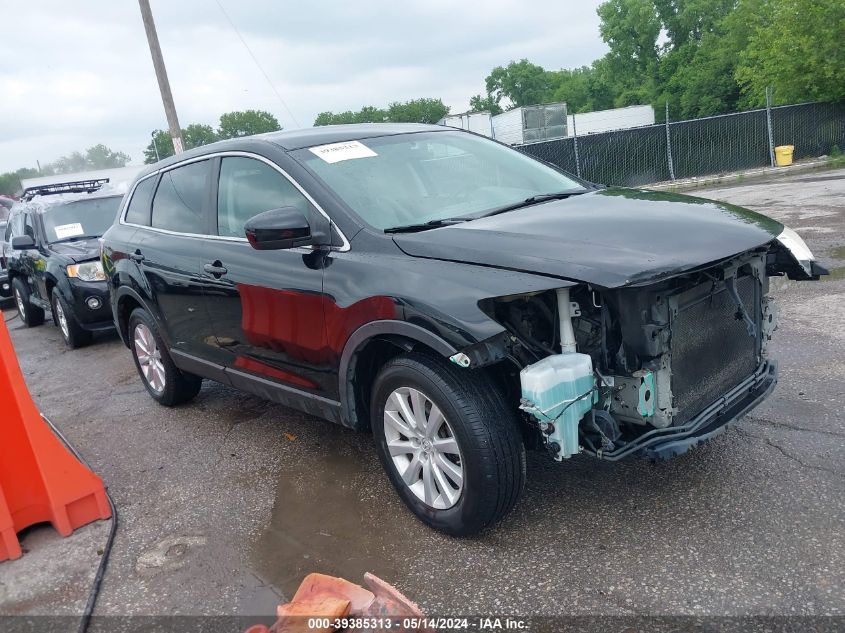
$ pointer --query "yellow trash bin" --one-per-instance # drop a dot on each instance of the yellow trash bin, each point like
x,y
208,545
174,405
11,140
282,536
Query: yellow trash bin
x,y
783,155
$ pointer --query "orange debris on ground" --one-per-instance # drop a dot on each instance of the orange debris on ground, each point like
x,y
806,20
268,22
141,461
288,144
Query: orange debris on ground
x,y
328,599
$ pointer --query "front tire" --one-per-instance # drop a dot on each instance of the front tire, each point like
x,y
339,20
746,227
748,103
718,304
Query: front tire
x,y
72,333
449,441
30,314
166,383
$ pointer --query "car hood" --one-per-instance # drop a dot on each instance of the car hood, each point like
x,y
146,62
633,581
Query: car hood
x,y
610,238
80,251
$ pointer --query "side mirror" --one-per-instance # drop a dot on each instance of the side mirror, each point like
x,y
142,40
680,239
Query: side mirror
x,y
277,229
22,243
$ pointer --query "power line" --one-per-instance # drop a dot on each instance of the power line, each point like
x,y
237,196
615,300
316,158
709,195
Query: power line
x,y
257,63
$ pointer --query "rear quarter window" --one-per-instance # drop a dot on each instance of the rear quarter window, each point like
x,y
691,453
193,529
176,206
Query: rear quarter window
x,y
138,211
178,201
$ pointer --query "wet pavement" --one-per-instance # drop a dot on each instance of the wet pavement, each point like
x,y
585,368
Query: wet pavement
x,y
225,503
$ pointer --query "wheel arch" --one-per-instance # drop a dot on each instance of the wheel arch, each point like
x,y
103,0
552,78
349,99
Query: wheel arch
x,y
369,347
126,300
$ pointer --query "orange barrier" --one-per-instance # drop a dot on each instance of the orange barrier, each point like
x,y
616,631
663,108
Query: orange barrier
x,y
322,600
40,480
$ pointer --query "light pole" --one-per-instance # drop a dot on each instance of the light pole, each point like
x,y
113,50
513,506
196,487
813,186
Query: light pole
x,y
161,75
155,145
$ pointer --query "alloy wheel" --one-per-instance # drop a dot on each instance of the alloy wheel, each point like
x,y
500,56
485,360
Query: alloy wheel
x,y
21,304
62,319
149,358
423,448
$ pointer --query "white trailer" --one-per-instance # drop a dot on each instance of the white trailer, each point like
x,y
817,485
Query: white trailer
x,y
531,123
478,122
607,120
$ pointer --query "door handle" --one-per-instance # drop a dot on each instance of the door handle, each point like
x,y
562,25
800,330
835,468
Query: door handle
x,y
215,269
137,256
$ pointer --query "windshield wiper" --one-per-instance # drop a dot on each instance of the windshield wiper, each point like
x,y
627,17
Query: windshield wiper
x,y
75,238
539,198
424,226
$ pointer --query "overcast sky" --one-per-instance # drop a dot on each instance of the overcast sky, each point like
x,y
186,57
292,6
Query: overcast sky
x,y
74,77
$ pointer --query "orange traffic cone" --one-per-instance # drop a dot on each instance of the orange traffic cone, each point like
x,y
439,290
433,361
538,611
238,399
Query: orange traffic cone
x,y
40,480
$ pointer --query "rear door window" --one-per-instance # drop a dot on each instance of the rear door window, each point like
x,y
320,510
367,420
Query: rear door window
x,y
179,200
138,211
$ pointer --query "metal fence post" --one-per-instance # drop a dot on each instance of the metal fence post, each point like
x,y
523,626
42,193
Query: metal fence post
x,y
669,145
769,126
575,146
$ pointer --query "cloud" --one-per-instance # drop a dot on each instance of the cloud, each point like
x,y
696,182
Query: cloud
x,y
69,80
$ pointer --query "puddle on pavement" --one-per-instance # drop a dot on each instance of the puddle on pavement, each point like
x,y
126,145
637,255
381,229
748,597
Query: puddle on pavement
x,y
838,253
329,517
835,274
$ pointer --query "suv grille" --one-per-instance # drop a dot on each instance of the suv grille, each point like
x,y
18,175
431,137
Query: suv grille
x,y
711,349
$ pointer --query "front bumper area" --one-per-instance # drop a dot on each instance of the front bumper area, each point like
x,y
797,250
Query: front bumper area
x,y
663,444
92,319
5,284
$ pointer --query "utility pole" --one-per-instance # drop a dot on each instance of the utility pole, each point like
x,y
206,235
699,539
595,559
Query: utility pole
x,y
161,75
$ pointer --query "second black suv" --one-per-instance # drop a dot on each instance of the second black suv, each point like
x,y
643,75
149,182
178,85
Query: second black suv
x,y
5,287
53,260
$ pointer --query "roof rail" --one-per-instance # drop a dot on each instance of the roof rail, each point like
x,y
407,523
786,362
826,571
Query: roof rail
x,y
79,186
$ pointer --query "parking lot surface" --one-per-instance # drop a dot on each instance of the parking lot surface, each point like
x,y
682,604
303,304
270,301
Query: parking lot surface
x,y
227,502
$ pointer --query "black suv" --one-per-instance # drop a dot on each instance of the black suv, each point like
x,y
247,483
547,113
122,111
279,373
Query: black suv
x,y
460,299
5,287
53,258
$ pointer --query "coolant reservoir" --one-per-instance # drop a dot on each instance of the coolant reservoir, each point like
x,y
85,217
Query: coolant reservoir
x,y
551,384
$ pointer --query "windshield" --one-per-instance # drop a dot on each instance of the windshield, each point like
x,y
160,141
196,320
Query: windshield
x,y
80,219
406,179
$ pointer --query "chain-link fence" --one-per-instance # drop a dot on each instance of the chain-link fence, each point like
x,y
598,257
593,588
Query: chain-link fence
x,y
698,147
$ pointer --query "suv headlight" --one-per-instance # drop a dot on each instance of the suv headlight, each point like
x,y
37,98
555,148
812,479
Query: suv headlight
x,y
798,248
89,271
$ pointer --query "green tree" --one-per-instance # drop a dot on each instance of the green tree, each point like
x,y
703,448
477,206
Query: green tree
x,y
414,111
95,157
794,46
101,157
521,83
195,135
631,29
703,57
246,123
487,103
161,146
73,162
417,111
10,182
367,114
582,89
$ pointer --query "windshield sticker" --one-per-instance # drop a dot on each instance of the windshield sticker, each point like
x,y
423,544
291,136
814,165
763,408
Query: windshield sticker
x,y
348,150
64,231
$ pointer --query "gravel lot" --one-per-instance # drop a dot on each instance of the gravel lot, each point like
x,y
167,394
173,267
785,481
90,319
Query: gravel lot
x,y
227,502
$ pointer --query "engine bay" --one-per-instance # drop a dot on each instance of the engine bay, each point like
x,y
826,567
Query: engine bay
x,y
601,370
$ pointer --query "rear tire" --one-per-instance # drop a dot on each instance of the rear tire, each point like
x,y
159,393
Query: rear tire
x,y
477,442
30,314
165,382
72,333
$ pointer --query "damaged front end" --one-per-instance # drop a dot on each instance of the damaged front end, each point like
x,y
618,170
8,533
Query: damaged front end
x,y
650,369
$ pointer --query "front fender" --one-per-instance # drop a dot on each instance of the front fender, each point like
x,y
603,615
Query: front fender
x,y
432,303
